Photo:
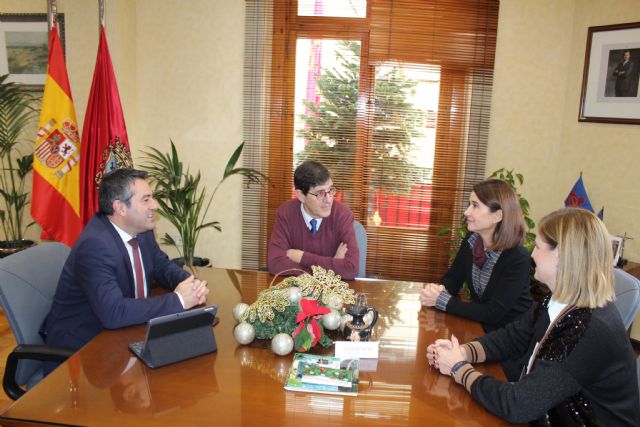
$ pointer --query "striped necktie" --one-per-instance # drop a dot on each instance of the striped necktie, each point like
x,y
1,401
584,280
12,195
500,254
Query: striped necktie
x,y
314,226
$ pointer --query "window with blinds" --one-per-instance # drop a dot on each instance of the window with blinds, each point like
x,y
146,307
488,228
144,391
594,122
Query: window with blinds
x,y
393,96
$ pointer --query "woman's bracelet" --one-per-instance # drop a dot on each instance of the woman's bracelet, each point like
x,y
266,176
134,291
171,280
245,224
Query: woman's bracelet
x,y
457,366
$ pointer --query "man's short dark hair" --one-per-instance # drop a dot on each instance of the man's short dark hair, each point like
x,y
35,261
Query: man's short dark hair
x,y
116,185
309,174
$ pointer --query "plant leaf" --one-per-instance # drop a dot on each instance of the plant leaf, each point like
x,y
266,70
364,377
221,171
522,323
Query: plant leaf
x,y
181,198
231,164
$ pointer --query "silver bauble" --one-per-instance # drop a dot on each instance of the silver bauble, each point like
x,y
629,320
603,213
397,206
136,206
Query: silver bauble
x,y
335,302
239,310
282,344
294,294
331,320
244,333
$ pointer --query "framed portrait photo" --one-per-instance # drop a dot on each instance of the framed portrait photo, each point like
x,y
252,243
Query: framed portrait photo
x,y
616,246
24,47
610,78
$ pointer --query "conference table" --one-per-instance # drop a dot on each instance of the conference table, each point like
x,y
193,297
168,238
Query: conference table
x,y
105,385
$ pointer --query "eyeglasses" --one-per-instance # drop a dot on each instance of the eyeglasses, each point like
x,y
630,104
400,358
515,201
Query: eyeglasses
x,y
323,194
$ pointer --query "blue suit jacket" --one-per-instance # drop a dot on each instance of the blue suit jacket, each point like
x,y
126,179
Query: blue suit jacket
x,y
96,287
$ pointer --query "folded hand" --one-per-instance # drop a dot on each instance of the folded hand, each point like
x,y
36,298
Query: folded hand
x,y
430,294
433,352
295,255
341,252
193,291
448,355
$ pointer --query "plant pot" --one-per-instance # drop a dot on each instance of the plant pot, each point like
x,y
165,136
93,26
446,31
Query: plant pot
x,y
8,247
197,261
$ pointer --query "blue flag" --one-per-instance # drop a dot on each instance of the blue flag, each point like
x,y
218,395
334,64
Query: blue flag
x,y
577,197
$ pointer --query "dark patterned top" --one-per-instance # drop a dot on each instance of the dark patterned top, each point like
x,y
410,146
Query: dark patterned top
x,y
583,373
503,298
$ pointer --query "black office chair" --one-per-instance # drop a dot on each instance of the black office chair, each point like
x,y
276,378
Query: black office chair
x,y
28,281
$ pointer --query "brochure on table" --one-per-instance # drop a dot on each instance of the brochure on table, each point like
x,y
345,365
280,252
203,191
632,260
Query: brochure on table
x,y
323,374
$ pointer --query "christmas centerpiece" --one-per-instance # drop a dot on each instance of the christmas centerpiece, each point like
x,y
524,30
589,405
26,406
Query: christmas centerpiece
x,y
295,312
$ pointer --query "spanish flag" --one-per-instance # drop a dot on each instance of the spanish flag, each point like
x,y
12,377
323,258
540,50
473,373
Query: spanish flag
x,y
55,198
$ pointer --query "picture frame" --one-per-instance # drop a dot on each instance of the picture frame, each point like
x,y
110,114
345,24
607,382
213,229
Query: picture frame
x,y
610,79
616,246
24,47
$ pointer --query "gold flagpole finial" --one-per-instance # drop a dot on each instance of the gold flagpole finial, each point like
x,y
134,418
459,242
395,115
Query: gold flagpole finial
x,y
52,11
101,12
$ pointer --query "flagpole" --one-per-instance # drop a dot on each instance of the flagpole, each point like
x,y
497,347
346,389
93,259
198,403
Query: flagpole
x,y
104,130
52,11
101,12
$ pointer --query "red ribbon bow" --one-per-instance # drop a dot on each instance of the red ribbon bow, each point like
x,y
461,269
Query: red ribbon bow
x,y
312,311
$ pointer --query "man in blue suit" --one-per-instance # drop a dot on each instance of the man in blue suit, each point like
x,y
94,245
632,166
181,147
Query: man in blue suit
x,y
622,73
103,285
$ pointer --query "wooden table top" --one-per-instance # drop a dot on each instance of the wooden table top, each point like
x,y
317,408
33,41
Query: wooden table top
x,y
104,385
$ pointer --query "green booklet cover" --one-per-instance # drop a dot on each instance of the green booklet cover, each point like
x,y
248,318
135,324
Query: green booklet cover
x,y
323,374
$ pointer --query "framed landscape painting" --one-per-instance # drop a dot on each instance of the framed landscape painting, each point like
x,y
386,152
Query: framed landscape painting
x,y
24,47
610,80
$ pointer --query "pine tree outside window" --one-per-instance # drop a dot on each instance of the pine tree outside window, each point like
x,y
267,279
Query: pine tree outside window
x,y
402,127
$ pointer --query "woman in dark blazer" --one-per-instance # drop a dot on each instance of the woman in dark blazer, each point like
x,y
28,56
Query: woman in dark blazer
x,y
492,261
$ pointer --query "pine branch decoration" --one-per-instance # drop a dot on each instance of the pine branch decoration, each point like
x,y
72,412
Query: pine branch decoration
x,y
323,285
273,312
268,301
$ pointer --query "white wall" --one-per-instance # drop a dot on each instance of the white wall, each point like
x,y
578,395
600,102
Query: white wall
x,y
534,126
179,70
178,65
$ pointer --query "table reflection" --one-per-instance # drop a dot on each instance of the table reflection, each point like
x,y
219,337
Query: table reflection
x,y
105,385
136,389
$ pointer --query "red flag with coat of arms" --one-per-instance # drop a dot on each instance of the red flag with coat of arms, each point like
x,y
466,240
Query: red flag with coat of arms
x,y
55,198
105,144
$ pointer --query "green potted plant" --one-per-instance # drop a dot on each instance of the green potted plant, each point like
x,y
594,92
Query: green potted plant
x,y
16,116
183,201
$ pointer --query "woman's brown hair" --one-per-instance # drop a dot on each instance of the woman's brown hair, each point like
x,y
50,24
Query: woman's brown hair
x,y
498,195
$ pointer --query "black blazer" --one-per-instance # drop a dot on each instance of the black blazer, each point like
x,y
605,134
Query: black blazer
x,y
507,295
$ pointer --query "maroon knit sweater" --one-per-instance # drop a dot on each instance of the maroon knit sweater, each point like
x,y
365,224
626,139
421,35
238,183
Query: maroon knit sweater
x,y
291,232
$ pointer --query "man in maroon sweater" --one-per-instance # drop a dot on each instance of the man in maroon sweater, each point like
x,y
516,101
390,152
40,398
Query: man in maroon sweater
x,y
313,229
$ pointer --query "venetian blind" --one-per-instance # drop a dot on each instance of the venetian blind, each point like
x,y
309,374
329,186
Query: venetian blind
x,y
400,114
